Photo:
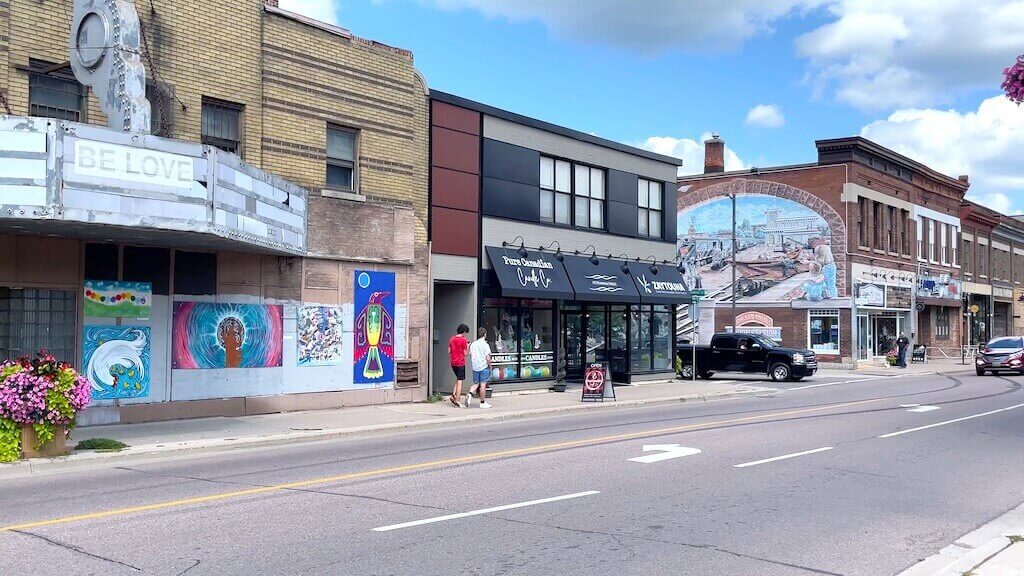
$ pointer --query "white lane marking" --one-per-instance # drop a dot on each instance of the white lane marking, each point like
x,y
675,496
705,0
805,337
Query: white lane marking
x,y
484,511
668,452
767,460
971,417
859,380
919,408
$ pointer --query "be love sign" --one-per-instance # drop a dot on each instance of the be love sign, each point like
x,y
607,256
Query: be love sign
x,y
136,165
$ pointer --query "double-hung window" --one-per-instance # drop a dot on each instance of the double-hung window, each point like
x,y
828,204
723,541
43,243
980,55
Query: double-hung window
x,y
555,191
649,213
341,156
588,195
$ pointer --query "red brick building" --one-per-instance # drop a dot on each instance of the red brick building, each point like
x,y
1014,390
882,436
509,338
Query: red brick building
x,y
863,232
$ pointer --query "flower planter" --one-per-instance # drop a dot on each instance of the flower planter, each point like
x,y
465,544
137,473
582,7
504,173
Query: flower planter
x,y
56,447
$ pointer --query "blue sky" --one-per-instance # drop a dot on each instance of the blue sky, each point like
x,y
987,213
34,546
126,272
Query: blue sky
x,y
770,75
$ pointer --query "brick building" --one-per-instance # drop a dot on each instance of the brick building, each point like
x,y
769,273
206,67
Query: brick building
x,y
863,231
993,269
336,122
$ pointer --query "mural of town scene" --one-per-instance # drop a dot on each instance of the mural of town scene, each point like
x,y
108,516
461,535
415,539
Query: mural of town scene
x,y
783,251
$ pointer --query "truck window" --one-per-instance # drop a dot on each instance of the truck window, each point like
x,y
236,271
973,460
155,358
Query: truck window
x,y
745,343
724,342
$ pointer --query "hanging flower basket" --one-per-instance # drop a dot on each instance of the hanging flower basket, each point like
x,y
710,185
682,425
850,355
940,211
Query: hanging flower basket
x,y
1013,81
39,400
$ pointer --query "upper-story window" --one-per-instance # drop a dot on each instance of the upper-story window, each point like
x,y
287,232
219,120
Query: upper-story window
x,y
55,95
570,194
341,159
946,230
904,234
649,215
589,197
932,247
892,232
221,125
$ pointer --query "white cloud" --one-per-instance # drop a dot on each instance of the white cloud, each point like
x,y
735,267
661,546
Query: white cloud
x,y
322,10
765,116
880,54
691,151
985,144
655,26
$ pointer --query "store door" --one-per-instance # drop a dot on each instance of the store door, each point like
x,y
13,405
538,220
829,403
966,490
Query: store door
x,y
572,343
886,332
865,342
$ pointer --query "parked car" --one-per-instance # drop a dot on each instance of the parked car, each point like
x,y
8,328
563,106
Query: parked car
x,y
748,353
1001,355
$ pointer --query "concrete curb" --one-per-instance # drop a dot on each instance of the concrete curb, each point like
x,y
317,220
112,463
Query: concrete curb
x,y
973,549
175,450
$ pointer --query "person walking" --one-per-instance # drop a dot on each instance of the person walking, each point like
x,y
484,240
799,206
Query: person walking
x,y
458,349
480,355
902,343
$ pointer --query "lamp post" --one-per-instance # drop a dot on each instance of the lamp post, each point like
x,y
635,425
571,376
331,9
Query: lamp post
x,y
732,196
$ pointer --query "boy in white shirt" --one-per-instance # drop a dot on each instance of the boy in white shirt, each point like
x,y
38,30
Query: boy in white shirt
x,y
480,357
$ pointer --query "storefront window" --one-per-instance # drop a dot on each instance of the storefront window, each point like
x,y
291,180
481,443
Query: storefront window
x,y
661,337
617,319
942,323
640,338
520,333
597,345
823,332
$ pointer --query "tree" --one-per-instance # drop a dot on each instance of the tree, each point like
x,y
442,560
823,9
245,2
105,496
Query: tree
x,y
1013,81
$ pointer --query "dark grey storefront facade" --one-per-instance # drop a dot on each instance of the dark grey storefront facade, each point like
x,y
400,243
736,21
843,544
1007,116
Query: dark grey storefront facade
x,y
556,242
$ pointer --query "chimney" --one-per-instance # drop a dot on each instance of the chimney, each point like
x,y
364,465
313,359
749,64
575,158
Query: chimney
x,y
714,154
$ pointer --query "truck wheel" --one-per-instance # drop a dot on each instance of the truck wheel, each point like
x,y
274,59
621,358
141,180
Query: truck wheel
x,y
706,375
779,372
686,372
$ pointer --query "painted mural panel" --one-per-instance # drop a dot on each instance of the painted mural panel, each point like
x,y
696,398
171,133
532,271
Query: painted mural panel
x,y
374,330
213,335
116,360
117,299
784,249
319,336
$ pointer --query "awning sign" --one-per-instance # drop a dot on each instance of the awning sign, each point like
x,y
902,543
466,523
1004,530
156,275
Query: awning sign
x,y
536,275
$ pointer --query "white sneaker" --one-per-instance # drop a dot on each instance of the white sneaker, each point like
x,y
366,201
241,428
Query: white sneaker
x,y
485,405
469,398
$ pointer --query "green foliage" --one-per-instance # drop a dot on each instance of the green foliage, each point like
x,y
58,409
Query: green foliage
x,y
100,444
8,370
44,434
10,440
436,397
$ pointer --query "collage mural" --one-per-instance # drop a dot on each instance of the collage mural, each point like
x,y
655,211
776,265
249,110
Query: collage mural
x,y
213,335
783,249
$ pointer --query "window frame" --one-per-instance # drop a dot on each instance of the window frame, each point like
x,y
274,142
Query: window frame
x,y
826,313
551,195
35,71
352,165
645,212
220,142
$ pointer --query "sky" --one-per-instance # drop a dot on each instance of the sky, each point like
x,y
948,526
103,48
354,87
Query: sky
x,y
771,76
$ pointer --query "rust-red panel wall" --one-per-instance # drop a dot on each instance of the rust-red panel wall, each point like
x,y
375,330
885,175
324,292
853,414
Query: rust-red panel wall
x,y
454,180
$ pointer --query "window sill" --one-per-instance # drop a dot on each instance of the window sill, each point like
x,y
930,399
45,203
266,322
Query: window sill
x,y
342,194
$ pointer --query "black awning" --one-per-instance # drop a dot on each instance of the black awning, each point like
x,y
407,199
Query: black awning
x,y
659,284
537,275
601,282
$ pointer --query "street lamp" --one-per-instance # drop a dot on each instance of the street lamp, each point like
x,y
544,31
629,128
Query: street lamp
x,y
732,196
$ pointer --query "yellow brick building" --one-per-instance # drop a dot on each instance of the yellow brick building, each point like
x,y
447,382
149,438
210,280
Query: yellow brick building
x,y
276,88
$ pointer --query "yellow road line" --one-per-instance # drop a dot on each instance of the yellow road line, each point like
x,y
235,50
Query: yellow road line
x,y
413,467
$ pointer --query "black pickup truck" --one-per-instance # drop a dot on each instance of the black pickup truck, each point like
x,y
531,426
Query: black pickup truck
x,y
748,353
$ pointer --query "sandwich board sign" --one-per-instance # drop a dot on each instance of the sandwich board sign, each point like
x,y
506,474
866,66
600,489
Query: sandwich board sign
x,y
597,383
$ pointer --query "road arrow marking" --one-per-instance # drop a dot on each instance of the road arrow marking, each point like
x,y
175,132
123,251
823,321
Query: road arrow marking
x,y
918,407
668,452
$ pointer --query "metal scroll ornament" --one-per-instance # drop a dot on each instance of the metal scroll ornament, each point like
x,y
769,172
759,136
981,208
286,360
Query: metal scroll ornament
x,y
105,55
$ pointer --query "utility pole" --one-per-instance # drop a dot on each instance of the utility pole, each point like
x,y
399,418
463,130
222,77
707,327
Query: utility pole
x,y
733,196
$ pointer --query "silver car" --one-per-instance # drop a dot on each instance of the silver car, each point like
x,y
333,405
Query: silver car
x,y
1001,355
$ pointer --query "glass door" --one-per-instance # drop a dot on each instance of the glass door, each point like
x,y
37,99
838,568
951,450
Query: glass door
x,y
885,334
572,343
865,343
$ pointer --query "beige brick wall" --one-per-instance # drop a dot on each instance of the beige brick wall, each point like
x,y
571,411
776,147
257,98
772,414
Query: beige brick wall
x,y
293,80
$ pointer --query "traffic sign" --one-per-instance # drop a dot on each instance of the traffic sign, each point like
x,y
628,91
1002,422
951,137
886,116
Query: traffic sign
x,y
698,293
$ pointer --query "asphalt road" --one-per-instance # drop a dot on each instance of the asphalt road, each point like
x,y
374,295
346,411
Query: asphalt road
x,y
824,478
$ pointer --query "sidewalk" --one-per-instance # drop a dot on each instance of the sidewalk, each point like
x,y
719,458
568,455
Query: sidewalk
x,y
167,439
932,366
995,549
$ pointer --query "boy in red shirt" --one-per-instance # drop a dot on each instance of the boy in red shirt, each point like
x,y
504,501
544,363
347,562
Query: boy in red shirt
x,y
458,349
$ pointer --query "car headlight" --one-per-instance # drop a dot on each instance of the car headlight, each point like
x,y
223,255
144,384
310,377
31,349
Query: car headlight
x,y
980,360
798,359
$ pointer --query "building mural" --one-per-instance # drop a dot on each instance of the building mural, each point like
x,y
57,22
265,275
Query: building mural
x,y
374,331
212,335
319,336
115,299
783,249
116,360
